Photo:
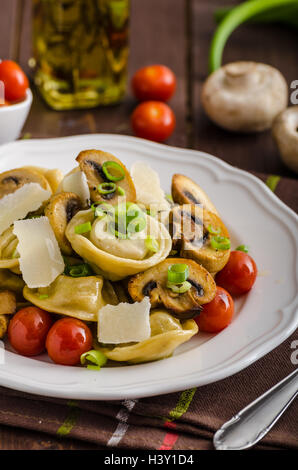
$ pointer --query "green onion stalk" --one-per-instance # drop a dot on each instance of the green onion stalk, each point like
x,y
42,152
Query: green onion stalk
x,y
238,15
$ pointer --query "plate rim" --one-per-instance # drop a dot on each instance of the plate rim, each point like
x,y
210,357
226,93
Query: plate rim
x,y
234,367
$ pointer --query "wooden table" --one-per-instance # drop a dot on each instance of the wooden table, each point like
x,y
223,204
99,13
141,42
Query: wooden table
x,y
176,33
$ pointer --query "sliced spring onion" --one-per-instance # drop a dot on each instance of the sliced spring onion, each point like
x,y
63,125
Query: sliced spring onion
x,y
43,296
96,358
272,181
106,188
243,248
238,15
136,225
120,191
169,198
113,165
220,243
178,273
179,288
78,270
133,211
152,244
83,228
115,231
213,230
151,212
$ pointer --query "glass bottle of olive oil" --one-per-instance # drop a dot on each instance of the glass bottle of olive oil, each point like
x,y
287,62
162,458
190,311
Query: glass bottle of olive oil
x,y
80,51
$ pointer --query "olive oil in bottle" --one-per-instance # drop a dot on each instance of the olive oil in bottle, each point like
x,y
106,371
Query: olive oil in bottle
x,y
80,51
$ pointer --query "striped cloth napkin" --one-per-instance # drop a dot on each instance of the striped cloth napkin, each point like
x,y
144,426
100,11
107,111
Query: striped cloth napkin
x,y
180,421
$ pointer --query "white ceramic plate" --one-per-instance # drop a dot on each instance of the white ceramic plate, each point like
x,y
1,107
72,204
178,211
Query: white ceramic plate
x,y
263,318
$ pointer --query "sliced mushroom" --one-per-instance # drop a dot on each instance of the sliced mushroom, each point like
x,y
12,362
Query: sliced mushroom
x,y
120,287
60,210
91,162
153,283
8,303
12,180
191,227
245,96
285,133
186,191
4,320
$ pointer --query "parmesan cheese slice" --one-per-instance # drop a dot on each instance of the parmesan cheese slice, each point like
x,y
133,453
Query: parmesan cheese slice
x,y
40,257
17,205
77,183
124,323
148,189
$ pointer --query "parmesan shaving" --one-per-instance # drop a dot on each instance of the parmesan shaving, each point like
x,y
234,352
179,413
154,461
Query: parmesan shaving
x,y
147,184
77,183
124,323
17,205
40,257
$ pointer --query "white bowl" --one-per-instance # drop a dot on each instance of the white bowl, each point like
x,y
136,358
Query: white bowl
x,y
13,117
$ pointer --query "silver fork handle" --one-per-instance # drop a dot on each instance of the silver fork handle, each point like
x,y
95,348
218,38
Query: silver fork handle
x,y
252,423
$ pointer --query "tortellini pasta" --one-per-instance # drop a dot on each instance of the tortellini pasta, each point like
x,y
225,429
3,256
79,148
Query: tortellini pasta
x,y
167,333
11,282
8,251
79,297
101,250
53,176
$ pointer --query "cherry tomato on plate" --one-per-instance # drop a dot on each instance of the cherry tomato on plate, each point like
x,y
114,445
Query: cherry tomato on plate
x,y
67,340
28,329
153,120
217,314
15,81
239,274
154,82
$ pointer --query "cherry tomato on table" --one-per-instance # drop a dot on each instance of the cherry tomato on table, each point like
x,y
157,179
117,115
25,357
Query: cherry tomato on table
x,y
154,82
239,274
217,314
67,340
28,329
153,120
15,81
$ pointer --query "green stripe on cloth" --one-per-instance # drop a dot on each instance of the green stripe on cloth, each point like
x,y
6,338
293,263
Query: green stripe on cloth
x,y
272,181
70,420
183,404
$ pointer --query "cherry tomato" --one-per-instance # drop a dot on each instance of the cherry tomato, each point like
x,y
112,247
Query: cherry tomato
x,y
67,340
14,79
28,329
153,120
217,314
154,82
239,274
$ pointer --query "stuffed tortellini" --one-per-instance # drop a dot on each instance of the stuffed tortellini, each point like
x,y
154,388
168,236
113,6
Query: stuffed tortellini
x,y
167,333
8,251
79,297
11,282
112,256
53,176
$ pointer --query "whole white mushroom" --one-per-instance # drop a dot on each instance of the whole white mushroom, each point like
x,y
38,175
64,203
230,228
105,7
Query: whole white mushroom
x,y
285,134
245,96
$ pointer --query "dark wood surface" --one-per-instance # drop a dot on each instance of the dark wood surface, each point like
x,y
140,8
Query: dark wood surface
x,y
176,33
